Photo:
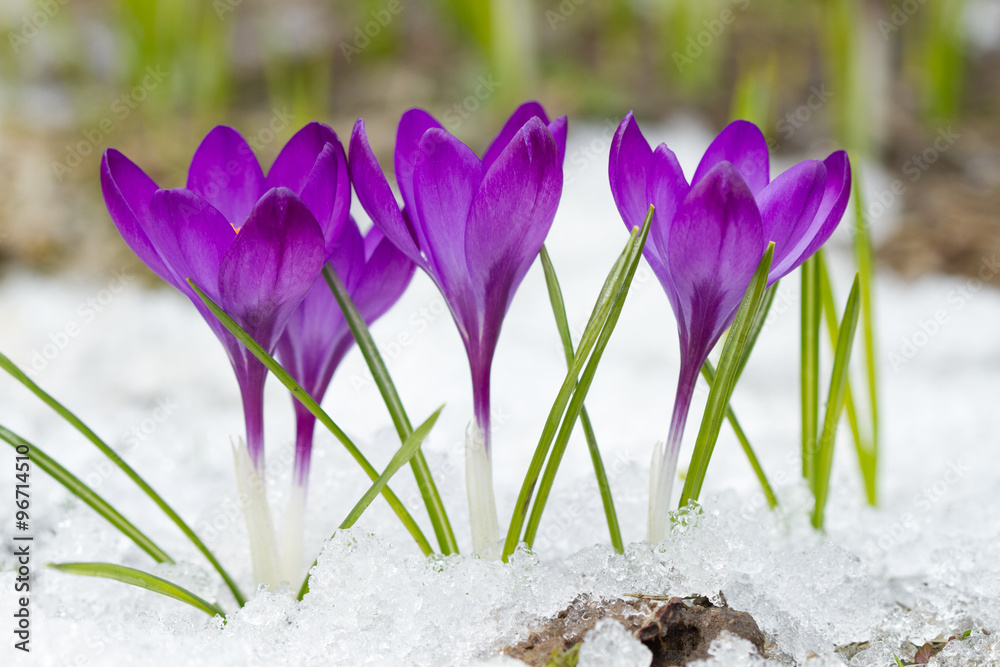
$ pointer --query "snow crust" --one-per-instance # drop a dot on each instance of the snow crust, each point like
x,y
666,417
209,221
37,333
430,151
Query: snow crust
x,y
147,374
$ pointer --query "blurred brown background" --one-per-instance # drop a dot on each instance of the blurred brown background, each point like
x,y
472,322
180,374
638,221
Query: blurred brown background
x,y
912,86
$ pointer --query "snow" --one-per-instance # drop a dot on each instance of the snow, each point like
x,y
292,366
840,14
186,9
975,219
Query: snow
x,y
609,644
140,367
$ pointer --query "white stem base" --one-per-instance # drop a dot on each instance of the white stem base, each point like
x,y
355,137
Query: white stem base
x,y
293,536
257,514
482,504
660,486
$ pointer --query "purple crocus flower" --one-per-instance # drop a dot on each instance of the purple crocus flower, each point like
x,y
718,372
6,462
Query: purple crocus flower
x,y
707,237
255,245
474,226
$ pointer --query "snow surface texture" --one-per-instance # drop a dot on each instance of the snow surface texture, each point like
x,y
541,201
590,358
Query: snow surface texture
x,y
145,372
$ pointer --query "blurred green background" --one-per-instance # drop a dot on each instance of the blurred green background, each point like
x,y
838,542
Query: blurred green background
x,y
885,79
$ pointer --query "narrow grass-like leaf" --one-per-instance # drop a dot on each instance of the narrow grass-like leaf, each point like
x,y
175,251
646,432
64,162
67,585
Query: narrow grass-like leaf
x,y
835,401
303,397
404,454
758,325
725,380
591,332
421,471
82,491
85,430
133,577
562,324
575,405
862,444
829,302
587,340
866,271
809,369
708,372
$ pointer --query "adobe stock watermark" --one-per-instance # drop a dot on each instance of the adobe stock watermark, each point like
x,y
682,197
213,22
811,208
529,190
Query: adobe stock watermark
x,y
566,520
138,433
230,511
279,122
791,469
453,118
643,275
454,462
900,14
595,150
909,522
929,327
782,303
364,33
486,85
394,348
703,40
86,312
880,202
795,119
561,13
223,7
222,175
121,107
35,23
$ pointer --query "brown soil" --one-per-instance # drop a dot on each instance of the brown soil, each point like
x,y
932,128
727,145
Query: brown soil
x,y
567,628
677,632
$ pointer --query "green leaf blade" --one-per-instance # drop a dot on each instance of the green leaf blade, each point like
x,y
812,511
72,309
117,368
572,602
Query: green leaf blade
x,y
835,401
575,405
598,316
562,324
708,372
380,373
140,579
725,380
809,364
82,491
113,456
865,260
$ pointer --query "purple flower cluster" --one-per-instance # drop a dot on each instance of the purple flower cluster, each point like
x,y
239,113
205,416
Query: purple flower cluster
x,y
257,244
707,237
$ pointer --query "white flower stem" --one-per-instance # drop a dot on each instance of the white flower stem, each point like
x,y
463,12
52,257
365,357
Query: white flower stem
x,y
661,482
482,504
257,514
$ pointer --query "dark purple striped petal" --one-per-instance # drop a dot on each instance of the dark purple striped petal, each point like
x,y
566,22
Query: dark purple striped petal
x,y
834,204
512,213
275,259
225,173
444,188
788,207
376,197
410,154
128,192
743,145
516,122
192,237
716,242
